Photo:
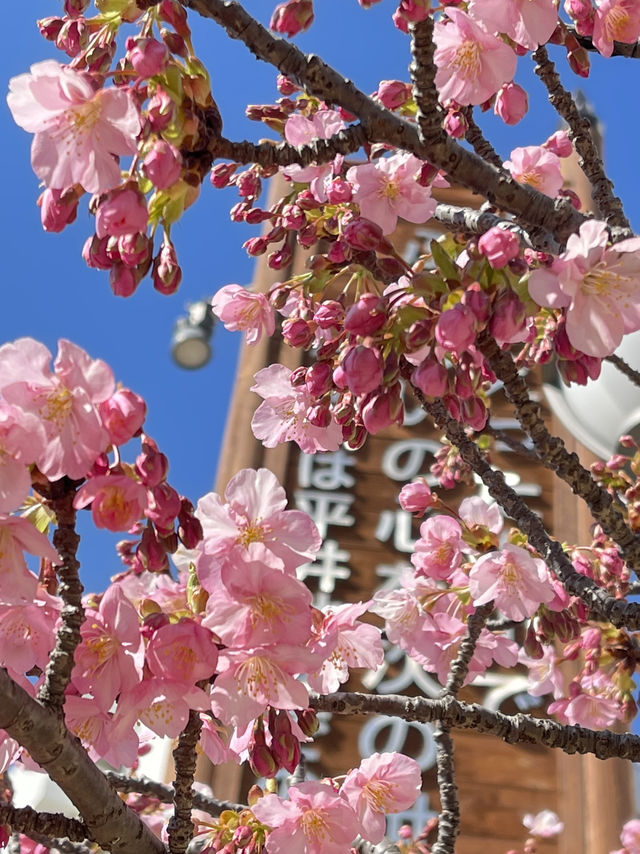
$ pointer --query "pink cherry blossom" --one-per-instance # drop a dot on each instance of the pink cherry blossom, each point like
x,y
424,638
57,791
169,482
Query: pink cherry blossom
x,y
283,414
21,440
64,401
383,783
105,738
300,130
183,652
598,286
122,212
344,643
17,535
615,20
417,497
123,415
544,675
316,820
630,836
475,512
438,551
517,582
253,523
537,166
545,824
388,188
257,605
163,705
528,22
244,311
79,131
27,632
117,501
472,64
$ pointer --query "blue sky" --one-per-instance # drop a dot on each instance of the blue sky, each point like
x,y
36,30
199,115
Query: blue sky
x,y
49,293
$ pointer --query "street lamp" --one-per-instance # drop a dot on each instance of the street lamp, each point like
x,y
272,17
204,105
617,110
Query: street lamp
x,y
191,339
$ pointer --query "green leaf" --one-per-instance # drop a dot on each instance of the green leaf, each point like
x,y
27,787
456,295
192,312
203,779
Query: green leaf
x,y
444,262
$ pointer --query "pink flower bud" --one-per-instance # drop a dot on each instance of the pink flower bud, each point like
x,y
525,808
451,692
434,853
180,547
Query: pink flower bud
x,y
123,280
478,302
161,110
363,234
383,410
123,211
123,415
58,208
286,86
363,369
297,332
175,14
339,191
175,43
281,258
148,57
319,416
417,497
329,315
50,28
367,316
167,273
559,144
456,124
456,329
94,253
163,507
308,721
474,413
508,323
293,217
511,104
579,61
135,250
319,379
499,246
292,17
152,465
163,164
431,378
393,94
151,553
222,173
189,526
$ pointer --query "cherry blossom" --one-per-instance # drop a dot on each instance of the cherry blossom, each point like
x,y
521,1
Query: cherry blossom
x,y
17,583
438,551
79,131
528,22
389,188
615,20
244,311
515,581
537,166
598,286
117,501
472,64
300,130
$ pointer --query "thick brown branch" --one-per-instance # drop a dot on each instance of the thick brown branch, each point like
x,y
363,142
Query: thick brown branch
x,y
513,729
478,221
624,368
165,794
109,821
536,210
423,73
554,456
29,821
603,606
180,827
64,846
70,589
608,205
270,154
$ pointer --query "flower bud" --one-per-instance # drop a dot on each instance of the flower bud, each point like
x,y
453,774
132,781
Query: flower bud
x,y
499,246
122,415
363,369
123,280
511,104
167,273
417,497
431,378
163,164
367,316
148,56
292,17
58,208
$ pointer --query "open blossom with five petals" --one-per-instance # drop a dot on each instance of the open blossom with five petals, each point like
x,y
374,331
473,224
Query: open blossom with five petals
x,y
615,21
253,523
438,551
472,63
63,400
242,310
537,166
283,414
79,131
117,501
599,287
388,188
383,783
516,581
316,820
27,632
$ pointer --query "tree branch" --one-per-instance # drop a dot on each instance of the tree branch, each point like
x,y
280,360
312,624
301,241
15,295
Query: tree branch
x,y
603,606
70,589
40,730
180,827
165,794
631,51
514,729
554,456
478,221
29,821
480,143
608,205
380,125
624,368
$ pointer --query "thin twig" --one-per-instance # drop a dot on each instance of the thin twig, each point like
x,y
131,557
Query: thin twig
x,y
480,143
70,589
270,154
165,794
29,821
608,205
624,368
180,827
554,456
514,729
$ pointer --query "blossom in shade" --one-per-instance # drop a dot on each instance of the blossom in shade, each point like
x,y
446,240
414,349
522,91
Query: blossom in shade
x,y
300,130
64,402
544,674
27,632
283,414
79,131
537,166
17,535
383,783
528,22
163,705
253,523
598,286
316,820
389,188
515,581
244,311
21,439
472,63
615,20
545,824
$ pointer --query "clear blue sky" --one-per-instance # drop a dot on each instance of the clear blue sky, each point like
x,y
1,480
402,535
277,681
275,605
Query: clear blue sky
x,y
49,293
